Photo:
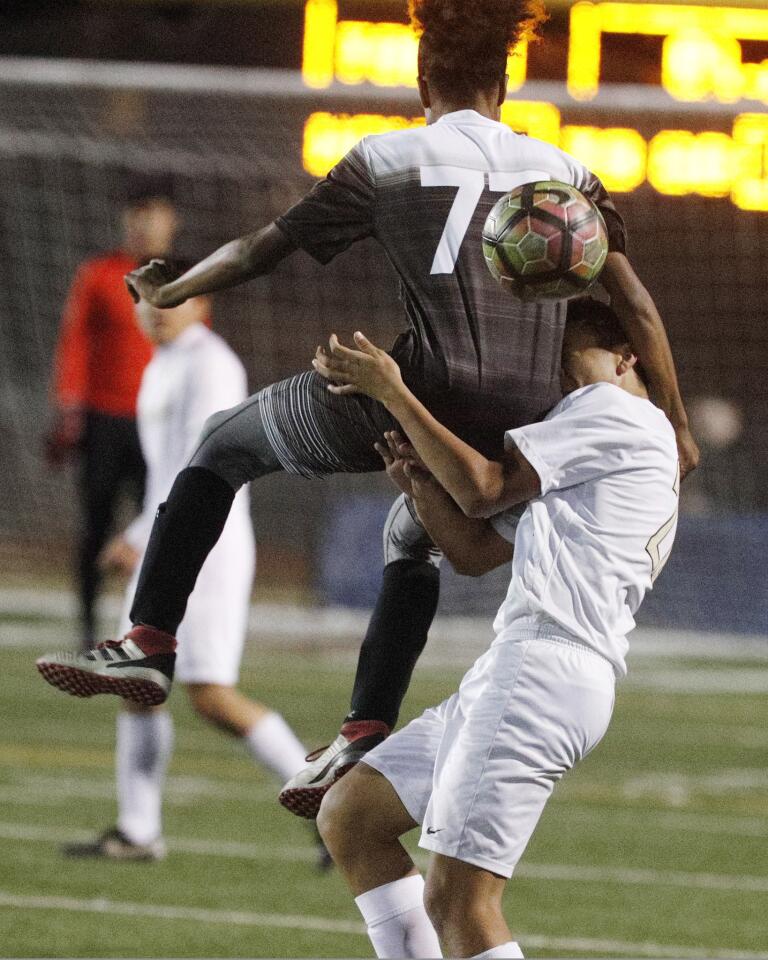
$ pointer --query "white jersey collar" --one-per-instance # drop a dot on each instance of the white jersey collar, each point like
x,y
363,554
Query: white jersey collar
x,y
467,116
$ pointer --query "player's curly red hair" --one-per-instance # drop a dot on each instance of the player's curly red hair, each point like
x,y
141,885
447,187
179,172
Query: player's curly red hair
x,y
465,43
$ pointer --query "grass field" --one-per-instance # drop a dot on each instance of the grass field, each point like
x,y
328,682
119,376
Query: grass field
x,y
655,846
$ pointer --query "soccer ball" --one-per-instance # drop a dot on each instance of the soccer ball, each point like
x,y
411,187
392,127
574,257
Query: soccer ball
x,y
545,241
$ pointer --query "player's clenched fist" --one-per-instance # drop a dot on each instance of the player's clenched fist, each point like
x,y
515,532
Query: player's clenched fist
x,y
149,283
369,369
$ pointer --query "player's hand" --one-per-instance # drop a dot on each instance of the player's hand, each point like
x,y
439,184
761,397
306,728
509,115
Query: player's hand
x,y
118,556
64,440
687,451
150,283
368,369
400,446
403,465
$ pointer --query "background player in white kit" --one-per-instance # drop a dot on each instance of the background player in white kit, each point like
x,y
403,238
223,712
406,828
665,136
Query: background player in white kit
x,y
192,374
601,474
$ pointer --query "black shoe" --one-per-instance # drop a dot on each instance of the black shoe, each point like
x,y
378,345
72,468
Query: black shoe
x,y
114,845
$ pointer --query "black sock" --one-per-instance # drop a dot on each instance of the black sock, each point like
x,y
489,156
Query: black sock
x,y
396,636
185,531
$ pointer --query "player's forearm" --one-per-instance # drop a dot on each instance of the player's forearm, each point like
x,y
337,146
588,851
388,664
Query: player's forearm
x,y
471,546
471,480
226,267
647,336
648,339
236,262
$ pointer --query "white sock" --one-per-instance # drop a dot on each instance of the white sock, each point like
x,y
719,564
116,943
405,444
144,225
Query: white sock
x,y
397,922
273,744
508,949
144,746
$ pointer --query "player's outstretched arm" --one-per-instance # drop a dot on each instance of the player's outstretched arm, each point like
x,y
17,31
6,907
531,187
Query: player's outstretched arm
x,y
471,546
648,338
243,259
479,486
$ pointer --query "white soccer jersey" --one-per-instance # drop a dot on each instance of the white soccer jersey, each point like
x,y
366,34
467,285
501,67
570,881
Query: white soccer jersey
x,y
186,381
590,546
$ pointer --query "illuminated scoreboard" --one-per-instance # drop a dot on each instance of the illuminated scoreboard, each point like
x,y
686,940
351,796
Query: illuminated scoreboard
x,y
702,54
684,62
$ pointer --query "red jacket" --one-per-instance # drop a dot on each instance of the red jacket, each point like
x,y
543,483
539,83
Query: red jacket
x,y
101,353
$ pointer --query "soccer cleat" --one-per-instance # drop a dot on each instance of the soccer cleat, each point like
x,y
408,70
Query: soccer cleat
x,y
138,668
303,793
114,845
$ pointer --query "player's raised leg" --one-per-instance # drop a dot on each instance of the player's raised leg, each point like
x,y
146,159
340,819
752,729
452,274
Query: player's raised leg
x,y
396,636
296,425
233,450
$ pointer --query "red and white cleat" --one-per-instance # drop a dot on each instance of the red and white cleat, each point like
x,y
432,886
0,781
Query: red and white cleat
x,y
139,668
303,793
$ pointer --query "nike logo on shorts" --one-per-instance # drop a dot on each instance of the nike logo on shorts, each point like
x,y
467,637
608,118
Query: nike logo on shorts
x,y
430,831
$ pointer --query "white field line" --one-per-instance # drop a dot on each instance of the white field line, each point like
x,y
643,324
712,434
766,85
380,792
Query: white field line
x,y
458,639
35,790
675,821
323,925
169,912
701,680
44,791
631,876
228,849
529,871
609,948
676,789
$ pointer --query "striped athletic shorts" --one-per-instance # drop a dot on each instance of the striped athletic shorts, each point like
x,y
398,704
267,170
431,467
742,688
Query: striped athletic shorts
x,y
314,432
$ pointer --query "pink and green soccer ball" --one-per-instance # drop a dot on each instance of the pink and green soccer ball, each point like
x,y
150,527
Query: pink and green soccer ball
x,y
545,241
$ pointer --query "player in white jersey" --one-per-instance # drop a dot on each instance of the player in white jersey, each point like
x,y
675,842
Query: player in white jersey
x,y
601,474
479,360
192,374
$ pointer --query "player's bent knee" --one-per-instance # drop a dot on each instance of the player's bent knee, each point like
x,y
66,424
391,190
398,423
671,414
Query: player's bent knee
x,y
361,810
207,702
234,445
405,538
337,820
436,904
448,913
213,425
214,442
451,905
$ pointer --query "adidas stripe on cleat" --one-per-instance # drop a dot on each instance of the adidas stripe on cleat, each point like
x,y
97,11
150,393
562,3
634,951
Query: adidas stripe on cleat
x,y
121,668
304,793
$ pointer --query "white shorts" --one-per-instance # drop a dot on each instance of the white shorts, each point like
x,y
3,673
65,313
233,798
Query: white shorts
x,y
212,634
477,771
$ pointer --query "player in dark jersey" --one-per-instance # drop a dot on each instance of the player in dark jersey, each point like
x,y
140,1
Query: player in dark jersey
x,y
481,361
